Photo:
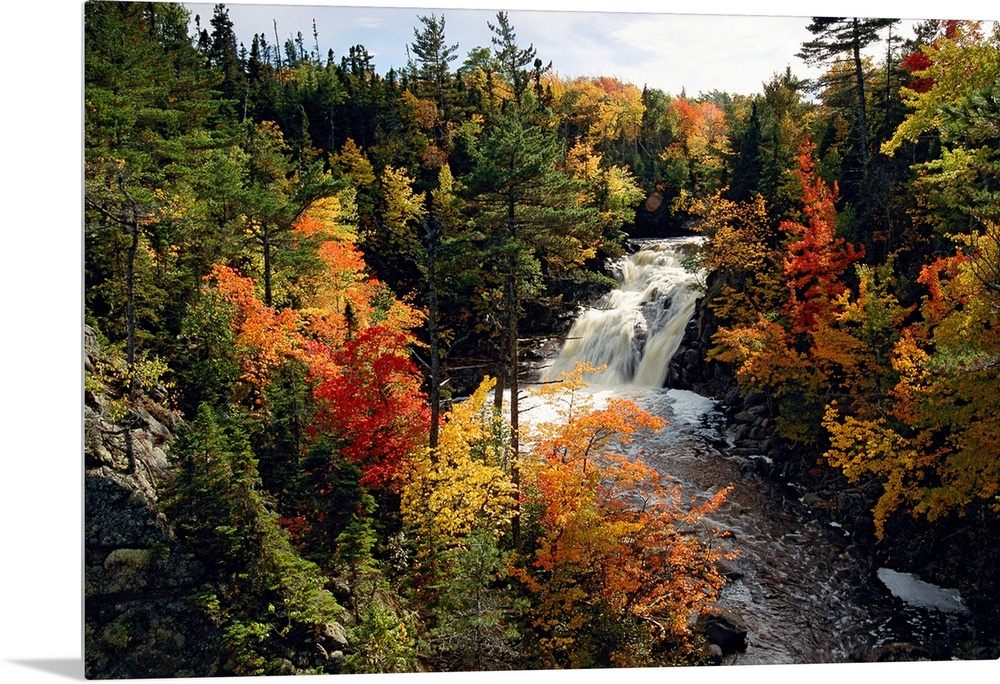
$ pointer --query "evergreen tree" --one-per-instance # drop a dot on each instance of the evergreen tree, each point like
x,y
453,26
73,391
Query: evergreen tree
x,y
434,57
836,36
512,60
223,55
748,166
536,229
146,101
277,189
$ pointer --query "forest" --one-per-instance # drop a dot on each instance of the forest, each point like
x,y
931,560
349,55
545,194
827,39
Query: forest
x,y
333,277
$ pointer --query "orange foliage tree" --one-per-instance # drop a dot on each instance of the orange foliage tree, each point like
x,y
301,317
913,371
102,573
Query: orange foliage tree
x,y
804,352
350,333
614,572
264,337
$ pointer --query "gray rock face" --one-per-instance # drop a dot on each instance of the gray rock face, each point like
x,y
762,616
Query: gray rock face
x,y
139,620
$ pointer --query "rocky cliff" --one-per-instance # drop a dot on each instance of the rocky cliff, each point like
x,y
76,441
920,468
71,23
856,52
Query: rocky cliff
x,y
141,618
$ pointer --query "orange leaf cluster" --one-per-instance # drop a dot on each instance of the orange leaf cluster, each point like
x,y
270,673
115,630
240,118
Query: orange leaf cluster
x,y
614,542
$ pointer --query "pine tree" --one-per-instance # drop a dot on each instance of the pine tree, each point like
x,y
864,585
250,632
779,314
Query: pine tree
x,y
146,99
434,57
536,229
836,36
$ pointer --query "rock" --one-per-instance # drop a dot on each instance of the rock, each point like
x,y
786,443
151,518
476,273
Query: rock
x,y
815,501
280,667
714,654
728,570
91,348
334,636
899,652
336,662
724,628
120,514
150,424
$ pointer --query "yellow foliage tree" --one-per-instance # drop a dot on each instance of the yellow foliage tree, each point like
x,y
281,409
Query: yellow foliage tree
x,y
462,485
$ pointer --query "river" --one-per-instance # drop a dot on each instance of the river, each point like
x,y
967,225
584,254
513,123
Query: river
x,y
804,594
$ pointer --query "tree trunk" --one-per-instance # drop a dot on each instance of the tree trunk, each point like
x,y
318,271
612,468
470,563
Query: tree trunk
x,y
432,331
859,75
266,242
133,249
511,304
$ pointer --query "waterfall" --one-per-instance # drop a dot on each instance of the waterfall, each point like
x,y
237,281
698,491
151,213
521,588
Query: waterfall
x,y
636,329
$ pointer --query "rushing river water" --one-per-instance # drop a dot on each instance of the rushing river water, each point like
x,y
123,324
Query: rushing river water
x,y
803,595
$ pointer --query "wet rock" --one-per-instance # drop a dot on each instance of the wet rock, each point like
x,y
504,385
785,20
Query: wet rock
x,y
815,501
729,570
753,414
723,628
900,652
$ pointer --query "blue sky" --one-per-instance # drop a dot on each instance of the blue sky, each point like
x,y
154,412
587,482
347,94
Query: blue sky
x,y
709,47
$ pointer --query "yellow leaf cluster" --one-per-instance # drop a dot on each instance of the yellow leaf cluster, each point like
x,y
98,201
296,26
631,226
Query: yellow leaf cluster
x,y
462,485
864,447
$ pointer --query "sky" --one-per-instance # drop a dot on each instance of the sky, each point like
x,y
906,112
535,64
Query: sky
x,y
694,53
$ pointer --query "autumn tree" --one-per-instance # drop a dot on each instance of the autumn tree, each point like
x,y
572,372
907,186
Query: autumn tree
x,y
611,190
934,449
602,112
463,484
801,353
371,400
741,254
954,100
817,258
612,568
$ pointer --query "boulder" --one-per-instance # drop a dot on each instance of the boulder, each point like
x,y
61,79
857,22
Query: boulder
x,y
334,636
723,628
728,569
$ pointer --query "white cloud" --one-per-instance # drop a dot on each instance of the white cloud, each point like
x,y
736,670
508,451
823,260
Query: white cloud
x,y
702,53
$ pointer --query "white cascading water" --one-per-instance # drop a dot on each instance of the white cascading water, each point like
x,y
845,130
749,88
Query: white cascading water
x,y
804,598
636,329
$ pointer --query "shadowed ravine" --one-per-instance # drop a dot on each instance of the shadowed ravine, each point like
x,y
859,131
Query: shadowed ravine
x,y
804,595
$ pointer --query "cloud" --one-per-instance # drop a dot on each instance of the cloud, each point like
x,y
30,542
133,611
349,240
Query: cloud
x,y
702,53
695,52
